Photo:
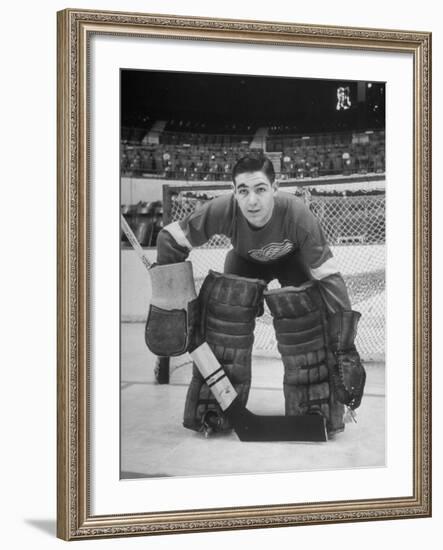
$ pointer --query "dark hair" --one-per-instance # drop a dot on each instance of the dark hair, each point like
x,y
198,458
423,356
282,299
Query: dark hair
x,y
254,162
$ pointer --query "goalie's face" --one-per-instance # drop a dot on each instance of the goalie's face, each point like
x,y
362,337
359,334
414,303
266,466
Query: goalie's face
x,y
255,197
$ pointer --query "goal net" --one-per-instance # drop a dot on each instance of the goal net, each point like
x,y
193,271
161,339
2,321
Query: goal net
x,y
352,214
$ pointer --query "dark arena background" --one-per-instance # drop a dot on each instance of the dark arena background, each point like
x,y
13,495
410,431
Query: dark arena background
x,y
181,134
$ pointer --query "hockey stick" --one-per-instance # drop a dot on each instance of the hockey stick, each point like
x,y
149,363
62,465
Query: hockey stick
x,y
247,425
135,244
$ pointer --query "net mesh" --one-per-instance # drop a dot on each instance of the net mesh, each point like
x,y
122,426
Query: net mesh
x,y
355,229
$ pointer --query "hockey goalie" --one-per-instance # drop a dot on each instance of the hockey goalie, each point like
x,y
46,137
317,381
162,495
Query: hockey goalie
x,y
274,236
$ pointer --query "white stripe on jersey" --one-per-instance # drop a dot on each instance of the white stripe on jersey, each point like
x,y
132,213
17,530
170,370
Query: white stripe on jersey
x,y
178,234
325,269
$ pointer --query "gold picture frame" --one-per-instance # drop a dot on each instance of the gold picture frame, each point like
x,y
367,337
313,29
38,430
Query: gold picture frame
x,y
74,517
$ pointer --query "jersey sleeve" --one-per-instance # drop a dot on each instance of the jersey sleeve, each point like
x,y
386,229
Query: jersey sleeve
x,y
320,262
176,240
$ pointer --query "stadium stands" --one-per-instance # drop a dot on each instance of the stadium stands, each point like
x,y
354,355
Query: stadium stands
x,y
205,156
145,220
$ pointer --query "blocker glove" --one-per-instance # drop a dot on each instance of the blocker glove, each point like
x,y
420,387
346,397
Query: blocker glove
x,y
171,326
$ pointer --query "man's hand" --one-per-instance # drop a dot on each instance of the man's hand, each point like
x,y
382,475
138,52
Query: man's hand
x,y
348,378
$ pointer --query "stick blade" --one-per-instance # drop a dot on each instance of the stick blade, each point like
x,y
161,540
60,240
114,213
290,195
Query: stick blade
x,y
251,427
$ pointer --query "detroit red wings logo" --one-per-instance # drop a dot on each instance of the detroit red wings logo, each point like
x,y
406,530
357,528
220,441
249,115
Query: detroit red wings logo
x,y
271,251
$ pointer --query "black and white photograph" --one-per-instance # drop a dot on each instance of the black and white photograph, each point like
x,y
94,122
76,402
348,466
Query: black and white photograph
x,y
252,274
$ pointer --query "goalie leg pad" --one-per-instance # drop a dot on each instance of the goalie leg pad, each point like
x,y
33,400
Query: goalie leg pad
x,y
173,312
300,331
229,305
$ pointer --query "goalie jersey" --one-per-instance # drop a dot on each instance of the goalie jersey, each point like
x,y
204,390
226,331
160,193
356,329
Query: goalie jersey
x,y
292,229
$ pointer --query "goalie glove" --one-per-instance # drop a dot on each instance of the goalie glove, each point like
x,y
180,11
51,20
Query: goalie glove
x,y
171,326
348,375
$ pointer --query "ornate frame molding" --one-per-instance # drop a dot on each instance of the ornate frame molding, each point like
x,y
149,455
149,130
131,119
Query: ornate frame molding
x,y
75,27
